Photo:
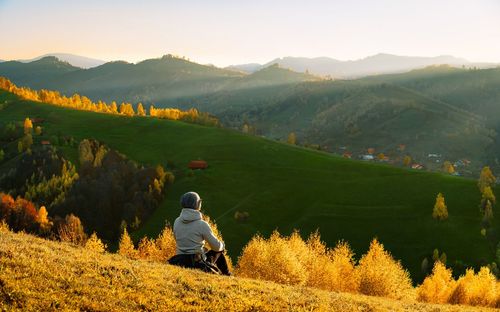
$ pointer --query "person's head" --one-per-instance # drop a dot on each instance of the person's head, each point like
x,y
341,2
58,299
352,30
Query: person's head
x,y
191,200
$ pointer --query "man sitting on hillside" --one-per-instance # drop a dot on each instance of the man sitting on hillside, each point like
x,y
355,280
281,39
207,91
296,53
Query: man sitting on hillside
x,y
191,232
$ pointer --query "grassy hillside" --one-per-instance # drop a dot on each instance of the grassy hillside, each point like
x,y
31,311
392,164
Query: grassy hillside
x,y
435,110
359,115
39,275
285,187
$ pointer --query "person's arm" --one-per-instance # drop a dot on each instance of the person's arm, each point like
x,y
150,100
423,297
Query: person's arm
x,y
209,237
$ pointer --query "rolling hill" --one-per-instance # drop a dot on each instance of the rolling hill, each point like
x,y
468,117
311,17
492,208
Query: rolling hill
x,y
436,110
284,187
75,278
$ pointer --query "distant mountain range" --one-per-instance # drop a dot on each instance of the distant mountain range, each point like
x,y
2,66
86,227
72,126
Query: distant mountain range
x,y
167,80
75,60
372,65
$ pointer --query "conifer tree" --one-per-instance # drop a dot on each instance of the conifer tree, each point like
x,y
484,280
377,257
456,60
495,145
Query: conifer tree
x,y
448,167
486,178
440,211
126,246
292,138
28,126
140,110
406,161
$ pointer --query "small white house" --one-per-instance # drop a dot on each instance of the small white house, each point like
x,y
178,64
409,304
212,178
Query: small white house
x,y
367,157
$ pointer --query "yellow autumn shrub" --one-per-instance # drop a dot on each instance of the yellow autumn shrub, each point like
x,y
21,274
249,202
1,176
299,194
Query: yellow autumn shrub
x,y
476,289
380,275
148,250
291,260
126,246
437,287
341,270
95,244
271,260
165,244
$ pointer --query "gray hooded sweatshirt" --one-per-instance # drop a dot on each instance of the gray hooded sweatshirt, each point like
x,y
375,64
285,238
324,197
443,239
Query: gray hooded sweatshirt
x,y
191,233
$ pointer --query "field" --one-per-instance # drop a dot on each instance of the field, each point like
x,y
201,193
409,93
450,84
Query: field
x,y
40,275
284,187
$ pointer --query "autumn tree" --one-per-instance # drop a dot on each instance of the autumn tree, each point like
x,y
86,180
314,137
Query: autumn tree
x,y
85,154
126,246
38,130
292,138
44,222
140,110
25,143
406,161
71,230
28,126
381,156
245,128
448,167
486,178
440,211
95,244
2,155
113,108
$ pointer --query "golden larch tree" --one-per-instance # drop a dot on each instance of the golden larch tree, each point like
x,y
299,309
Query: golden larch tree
x,y
448,167
140,110
486,178
126,246
440,211
406,161
28,126
292,139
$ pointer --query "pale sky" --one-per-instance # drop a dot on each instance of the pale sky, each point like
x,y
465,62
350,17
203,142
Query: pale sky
x,y
224,32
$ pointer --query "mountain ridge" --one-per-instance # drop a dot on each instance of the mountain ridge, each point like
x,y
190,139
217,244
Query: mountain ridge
x,y
381,63
73,59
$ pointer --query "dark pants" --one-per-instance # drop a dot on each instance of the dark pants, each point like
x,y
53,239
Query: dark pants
x,y
216,262
218,258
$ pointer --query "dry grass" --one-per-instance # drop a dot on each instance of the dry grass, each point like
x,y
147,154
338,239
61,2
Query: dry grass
x,y
41,275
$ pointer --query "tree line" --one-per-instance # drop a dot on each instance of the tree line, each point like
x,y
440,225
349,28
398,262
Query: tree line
x,y
80,102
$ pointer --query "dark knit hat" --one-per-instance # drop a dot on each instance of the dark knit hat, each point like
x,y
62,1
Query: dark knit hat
x,y
190,200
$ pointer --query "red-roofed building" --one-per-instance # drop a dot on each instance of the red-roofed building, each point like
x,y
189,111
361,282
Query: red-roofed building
x,y
197,164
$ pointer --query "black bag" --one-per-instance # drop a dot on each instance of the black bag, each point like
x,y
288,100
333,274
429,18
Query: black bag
x,y
194,261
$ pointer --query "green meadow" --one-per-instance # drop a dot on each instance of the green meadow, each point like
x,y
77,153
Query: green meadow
x,y
283,187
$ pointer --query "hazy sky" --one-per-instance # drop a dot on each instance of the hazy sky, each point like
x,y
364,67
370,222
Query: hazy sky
x,y
226,32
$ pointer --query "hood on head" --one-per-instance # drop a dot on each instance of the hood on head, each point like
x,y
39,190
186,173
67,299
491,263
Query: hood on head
x,y
190,215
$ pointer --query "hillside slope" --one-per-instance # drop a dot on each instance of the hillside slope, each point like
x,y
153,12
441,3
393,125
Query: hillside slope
x,y
283,187
40,275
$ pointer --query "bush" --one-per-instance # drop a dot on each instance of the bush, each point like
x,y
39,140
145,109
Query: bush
x,y
71,230
291,260
148,250
343,274
165,244
380,275
95,244
476,289
126,246
271,260
438,287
